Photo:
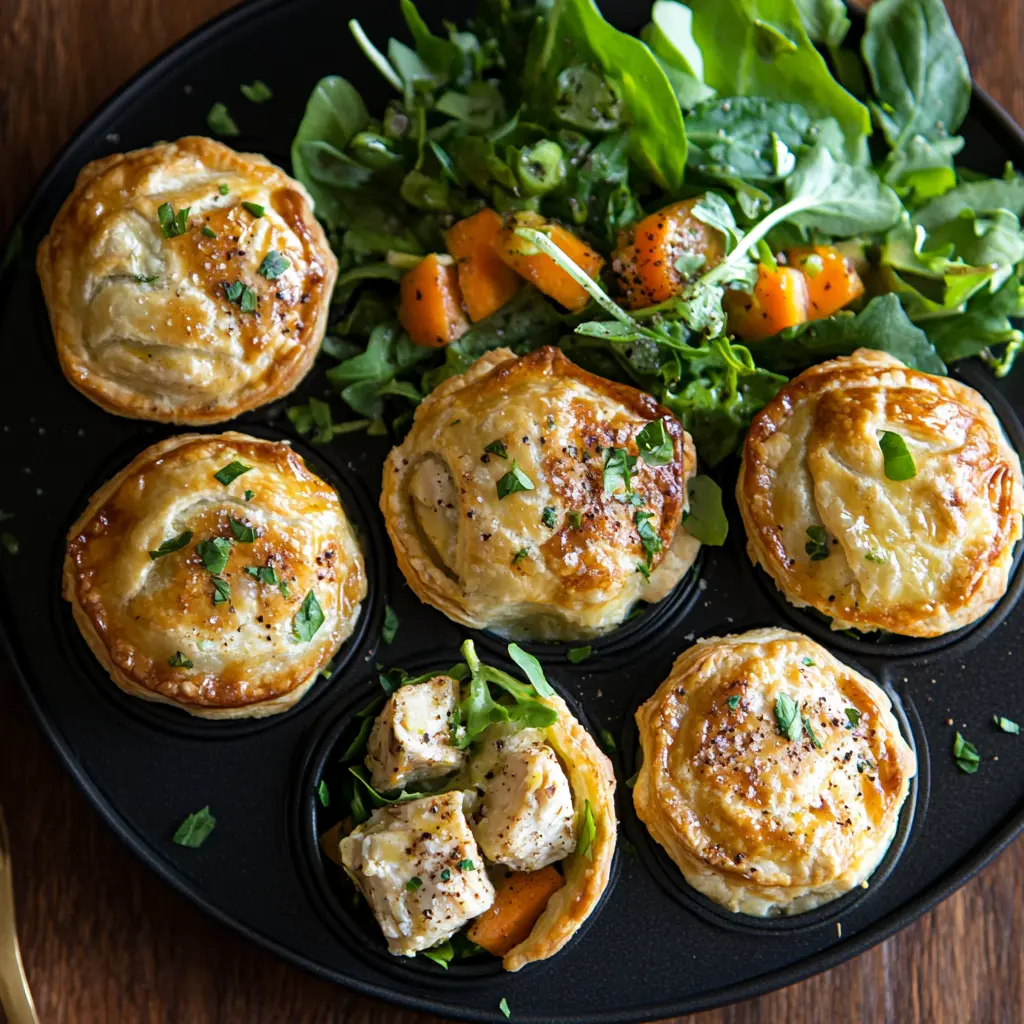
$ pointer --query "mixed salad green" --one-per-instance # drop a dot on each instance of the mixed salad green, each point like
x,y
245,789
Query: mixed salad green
x,y
785,132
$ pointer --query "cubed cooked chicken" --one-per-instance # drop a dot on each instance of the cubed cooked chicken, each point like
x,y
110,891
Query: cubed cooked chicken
x,y
411,739
525,818
420,870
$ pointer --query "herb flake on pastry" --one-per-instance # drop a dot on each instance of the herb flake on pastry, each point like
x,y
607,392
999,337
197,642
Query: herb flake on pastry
x,y
884,497
773,774
517,502
215,573
186,283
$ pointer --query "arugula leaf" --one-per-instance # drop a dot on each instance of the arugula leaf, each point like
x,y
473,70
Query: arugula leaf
x,y
918,70
705,518
315,417
442,56
442,954
532,668
308,619
195,829
479,709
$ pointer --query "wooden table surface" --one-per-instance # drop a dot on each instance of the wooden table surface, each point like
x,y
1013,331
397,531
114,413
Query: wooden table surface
x,y
104,940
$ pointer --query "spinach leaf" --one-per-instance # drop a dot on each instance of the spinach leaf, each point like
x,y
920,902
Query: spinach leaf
x,y
1006,193
760,48
669,36
705,518
918,70
825,21
882,325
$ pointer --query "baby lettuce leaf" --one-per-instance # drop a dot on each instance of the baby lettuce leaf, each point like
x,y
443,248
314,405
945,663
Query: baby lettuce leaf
x,y
335,112
882,325
918,70
575,31
760,48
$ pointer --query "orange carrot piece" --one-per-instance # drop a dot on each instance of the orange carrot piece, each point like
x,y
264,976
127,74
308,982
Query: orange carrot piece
x,y
519,899
485,280
779,300
541,270
832,279
646,258
431,306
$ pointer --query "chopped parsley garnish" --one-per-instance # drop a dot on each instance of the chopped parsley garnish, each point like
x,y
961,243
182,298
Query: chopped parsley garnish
x,y
195,829
223,189
807,661
899,463
618,470
787,717
390,627
446,875
809,729
258,92
241,295
497,448
172,224
174,544
648,538
503,1006
249,495
232,471
273,265
214,553
323,793
549,517
414,883
208,231
221,590
733,702
655,444
467,865
853,717
575,519
966,755
817,544
520,556
308,619
578,654
254,208
514,480
876,556
178,660
220,122
1007,724
244,533
588,832
264,574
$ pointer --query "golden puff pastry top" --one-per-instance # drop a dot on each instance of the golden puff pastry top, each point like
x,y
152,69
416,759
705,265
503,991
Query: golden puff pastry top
x,y
919,557
557,561
225,633
197,327
763,822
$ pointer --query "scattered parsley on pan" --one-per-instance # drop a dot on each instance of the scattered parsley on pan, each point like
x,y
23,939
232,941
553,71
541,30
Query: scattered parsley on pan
x,y
695,211
435,768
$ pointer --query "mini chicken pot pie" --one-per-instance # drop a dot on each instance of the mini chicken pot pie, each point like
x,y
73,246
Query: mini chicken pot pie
x,y
507,843
773,774
215,573
186,282
883,497
518,503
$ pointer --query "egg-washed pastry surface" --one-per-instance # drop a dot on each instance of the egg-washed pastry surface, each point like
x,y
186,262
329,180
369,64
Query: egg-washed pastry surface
x,y
504,831
517,502
186,282
216,573
843,521
773,774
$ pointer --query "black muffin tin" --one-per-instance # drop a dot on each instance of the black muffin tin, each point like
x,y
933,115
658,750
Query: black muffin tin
x,y
654,947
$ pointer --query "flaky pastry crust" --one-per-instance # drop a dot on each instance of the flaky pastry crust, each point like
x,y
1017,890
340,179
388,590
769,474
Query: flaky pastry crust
x,y
759,822
920,557
145,325
494,562
141,614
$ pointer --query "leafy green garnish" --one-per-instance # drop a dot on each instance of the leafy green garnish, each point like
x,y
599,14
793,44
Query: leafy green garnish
x,y
244,533
257,92
323,793
966,755
195,829
649,539
853,717
308,619
809,729
414,883
254,208
497,448
172,224
273,265
587,833
733,702
1006,724
704,518
220,121
513,481
549,517
171,545
504,1007
578,654
655,444
232,471
221,590
817,543
178,660
532,669
520,556
390,628
899,463
214,553
787,717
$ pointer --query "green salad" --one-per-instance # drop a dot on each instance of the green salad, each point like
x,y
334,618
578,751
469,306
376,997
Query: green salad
x,y
701,211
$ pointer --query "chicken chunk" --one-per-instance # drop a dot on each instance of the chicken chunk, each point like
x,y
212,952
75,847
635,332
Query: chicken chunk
x,y
420,869
525,818
411,739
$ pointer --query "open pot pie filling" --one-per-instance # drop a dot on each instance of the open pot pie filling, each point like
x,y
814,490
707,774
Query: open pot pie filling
x,y
497,507
919,556
215,573
186,282
773,774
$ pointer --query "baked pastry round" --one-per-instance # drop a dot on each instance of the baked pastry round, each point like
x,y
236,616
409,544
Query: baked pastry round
x,y
215,573
496,505
773,774
919,556
186,282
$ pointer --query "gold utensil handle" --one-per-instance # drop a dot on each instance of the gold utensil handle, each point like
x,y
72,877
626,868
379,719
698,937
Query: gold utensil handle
x,y
15,996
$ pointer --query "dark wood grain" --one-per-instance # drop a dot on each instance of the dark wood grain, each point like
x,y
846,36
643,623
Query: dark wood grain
x,y
105,941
